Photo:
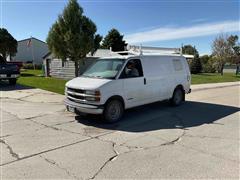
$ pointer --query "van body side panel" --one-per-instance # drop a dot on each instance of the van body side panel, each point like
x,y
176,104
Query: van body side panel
x,y
151,80
157,77
113,88
135,91
181,72
187,84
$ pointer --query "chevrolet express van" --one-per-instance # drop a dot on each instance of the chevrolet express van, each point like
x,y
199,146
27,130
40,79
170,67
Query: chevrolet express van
x,y
113,84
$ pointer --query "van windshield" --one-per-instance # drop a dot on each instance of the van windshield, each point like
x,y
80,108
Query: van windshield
x,y
104,68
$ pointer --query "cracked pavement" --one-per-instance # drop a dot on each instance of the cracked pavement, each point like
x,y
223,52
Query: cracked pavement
x,y
199,139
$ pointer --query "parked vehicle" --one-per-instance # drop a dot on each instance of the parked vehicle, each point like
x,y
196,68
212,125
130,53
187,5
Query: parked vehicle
x,y
120,82
18,63
9,71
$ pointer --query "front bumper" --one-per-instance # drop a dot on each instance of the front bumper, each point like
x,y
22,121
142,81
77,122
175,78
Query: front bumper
x,y
10,76
84,108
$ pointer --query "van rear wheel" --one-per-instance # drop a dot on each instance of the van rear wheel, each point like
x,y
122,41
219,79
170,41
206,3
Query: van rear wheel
x,y
178,97
113,111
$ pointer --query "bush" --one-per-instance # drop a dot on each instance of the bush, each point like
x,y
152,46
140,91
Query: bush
x,y
208,68
31,66
209,64
27,66
196,66
38,66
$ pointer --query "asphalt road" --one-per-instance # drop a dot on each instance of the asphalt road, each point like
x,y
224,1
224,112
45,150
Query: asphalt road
x,y
199,139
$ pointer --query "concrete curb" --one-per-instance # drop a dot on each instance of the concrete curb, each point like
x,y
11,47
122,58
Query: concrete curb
x,y
200,87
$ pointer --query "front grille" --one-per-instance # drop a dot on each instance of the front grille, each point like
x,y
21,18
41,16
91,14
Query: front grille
x,y
76,90
75,95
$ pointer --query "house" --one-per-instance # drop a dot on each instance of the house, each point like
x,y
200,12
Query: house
x,y
58,68
30,50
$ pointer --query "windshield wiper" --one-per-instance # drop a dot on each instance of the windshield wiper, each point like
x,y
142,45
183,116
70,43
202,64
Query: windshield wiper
x,y
92,76
100,77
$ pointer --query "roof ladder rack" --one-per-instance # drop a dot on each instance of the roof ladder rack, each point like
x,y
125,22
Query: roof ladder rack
x,y
148,49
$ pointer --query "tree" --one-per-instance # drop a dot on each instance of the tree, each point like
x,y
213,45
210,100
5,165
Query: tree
x,y
205,62
73,36
196,66
208,64
8,45
114,40
233,42
96,45
189,49
204,59
222,50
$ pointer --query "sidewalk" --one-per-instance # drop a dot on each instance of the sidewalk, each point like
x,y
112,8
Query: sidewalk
x,y
200,87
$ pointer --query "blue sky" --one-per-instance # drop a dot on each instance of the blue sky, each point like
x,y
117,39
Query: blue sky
x,y
155,23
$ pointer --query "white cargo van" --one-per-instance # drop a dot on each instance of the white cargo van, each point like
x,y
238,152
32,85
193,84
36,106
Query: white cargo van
x,y
126,80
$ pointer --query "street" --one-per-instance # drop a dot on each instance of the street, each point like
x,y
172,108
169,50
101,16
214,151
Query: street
x,y
199,139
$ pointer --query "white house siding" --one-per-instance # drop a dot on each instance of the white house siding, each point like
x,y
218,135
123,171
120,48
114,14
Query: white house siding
x,y
59,71
67,71
34,52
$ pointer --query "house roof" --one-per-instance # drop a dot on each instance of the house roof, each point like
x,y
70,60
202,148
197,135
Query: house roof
x,y
27,39
46,55
100,53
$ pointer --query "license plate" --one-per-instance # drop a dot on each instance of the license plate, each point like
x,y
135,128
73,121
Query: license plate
x,y
71,109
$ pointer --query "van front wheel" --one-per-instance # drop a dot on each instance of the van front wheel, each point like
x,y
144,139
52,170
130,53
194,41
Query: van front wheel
x,y
113,111
178,97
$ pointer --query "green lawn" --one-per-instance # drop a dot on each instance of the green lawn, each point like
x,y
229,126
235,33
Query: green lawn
x,y
214,78
34,78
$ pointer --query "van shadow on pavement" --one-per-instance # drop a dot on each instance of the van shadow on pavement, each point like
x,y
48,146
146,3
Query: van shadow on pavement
x,y
160,115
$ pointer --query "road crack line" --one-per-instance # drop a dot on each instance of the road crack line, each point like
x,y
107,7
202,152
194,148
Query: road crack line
x,y
13,154
54,163
112,158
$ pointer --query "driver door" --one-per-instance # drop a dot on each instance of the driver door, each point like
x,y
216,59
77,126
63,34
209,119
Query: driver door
x,y
134,87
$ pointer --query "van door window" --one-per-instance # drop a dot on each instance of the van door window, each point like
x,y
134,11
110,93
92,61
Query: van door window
x,y
177,65
132,69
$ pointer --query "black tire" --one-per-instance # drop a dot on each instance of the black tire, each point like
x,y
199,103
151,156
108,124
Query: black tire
x,y
113,111
12,81
178,97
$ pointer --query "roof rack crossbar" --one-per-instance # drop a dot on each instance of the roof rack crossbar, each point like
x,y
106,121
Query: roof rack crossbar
x,y
140,50
146,49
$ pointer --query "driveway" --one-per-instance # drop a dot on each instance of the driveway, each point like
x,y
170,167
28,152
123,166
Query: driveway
x,y
200,139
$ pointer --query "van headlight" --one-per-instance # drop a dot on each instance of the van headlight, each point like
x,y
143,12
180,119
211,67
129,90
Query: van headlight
x,y
94,93
92,96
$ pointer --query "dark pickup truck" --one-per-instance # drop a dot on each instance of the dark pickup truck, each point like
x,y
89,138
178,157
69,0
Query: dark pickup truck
x,y
8,71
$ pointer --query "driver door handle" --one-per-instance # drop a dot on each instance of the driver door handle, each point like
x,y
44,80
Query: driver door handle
x,y
145,81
